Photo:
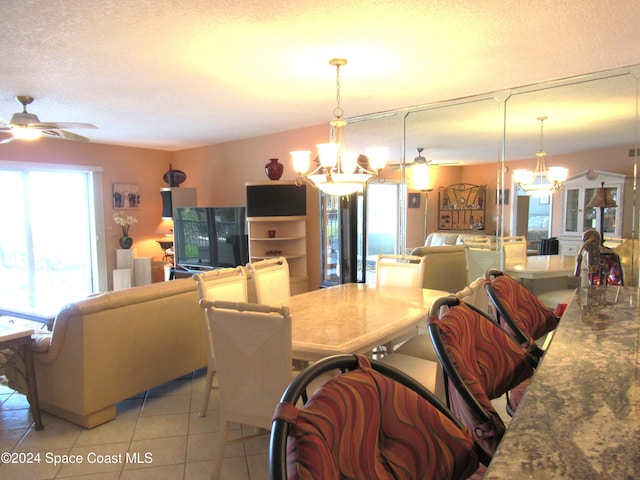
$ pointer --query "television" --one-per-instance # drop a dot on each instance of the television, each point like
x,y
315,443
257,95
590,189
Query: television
x,y
210,237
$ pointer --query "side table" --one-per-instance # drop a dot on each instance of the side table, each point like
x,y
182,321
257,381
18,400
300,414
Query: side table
x,y
19,340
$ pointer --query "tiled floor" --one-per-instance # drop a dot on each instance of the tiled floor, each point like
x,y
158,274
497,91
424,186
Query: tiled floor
x,y
162,425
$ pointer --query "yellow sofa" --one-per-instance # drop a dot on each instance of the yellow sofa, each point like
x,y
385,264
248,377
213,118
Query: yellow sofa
x,y
114,345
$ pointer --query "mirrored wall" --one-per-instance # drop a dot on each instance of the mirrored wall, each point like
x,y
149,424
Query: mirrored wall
x,y
592,126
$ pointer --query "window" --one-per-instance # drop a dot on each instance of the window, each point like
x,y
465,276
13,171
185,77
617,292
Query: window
x,y
48,242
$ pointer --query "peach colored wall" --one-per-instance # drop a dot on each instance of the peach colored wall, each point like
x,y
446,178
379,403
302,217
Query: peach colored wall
x,y
219,173
120,165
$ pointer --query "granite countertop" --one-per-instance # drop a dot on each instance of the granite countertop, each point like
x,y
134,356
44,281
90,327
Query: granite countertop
x,y
580,418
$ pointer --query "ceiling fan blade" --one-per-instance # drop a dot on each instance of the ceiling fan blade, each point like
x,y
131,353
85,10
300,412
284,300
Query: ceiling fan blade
x,y
65,135
7,140
59,125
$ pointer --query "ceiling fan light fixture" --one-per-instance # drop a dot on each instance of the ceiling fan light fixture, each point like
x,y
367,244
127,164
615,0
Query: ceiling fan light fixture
x,y
24,133
340,172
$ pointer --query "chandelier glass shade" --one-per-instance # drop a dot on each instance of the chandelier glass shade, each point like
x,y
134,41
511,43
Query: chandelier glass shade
x,y
339,170
543,180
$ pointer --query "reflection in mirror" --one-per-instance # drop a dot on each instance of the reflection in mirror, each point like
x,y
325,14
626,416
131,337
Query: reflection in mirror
x,y
590,128
593,125
456,137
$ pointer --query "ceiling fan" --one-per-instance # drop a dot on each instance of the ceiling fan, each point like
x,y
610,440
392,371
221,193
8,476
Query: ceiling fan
x,y
419,160
27,126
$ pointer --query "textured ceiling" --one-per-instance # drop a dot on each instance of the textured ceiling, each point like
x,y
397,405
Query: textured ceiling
x,y
175,74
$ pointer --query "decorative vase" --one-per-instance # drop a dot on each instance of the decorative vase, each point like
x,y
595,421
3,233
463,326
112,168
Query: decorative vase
x,y
274,169
126,242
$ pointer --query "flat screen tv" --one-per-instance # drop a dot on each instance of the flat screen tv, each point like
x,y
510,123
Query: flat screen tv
x,y
210,237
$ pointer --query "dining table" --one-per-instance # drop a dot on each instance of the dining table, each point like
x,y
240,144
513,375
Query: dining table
x,y
580,416
543,273
355,318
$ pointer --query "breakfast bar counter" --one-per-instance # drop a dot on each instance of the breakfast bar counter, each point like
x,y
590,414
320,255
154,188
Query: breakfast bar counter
x,y
580,418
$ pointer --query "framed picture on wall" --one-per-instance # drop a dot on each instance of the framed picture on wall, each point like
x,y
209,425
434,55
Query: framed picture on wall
x,y
126,195
544,200
414,200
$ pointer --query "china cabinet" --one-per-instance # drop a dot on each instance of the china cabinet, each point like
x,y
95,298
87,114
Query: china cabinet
x,y
577,217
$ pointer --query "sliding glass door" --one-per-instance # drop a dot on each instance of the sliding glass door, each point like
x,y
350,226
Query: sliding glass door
x,y
47,243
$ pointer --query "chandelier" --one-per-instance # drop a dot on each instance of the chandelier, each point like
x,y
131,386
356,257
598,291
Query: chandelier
x,y
533,182
340,171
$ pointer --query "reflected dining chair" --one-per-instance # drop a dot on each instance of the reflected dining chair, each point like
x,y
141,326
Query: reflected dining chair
x,y
479,258
253,355
270,280
481,363
519,311
400,270
370,421
514,249
228,284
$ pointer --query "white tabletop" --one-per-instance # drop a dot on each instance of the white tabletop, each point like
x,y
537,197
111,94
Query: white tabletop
x,y
355,318
542,266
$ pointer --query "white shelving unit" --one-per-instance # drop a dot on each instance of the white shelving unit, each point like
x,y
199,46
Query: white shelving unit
x,y
290,242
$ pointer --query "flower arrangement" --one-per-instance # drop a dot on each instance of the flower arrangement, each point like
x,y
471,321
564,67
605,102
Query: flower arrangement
x,y
125,221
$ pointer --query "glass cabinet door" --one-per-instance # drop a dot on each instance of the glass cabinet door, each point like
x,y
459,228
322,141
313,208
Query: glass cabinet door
x,y
571,210
579,191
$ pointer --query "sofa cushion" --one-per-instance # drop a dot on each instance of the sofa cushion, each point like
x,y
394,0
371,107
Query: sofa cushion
x,y
438,239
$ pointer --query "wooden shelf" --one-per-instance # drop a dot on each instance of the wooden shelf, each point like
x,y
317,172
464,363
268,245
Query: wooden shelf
x,y
461,206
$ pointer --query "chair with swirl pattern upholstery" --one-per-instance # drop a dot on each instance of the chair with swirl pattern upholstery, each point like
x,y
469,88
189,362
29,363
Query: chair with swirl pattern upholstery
x,y
372,421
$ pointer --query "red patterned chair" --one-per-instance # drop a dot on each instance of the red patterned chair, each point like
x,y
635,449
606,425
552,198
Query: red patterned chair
x,y
519,311
370,422
481,362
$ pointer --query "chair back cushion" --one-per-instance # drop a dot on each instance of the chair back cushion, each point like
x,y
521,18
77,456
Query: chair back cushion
x,y
527,312
362,424
489,363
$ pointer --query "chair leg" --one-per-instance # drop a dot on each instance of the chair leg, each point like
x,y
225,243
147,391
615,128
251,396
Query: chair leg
x,y
218,454
207,392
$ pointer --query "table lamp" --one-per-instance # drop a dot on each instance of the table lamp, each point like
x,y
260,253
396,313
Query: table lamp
x,y
602,199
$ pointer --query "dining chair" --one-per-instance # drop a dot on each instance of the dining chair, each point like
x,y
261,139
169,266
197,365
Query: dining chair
x,y
370,421
479,258
481,363
421,345
519,311
270,280
228,284
400,270
514,249
253,355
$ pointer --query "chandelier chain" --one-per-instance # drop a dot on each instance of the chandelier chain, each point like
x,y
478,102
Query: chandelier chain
x,y
338,112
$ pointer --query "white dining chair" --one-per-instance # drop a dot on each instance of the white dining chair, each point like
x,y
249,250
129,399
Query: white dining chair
x,y
514,249
479,258
270,280
253,355
400,270
229,284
